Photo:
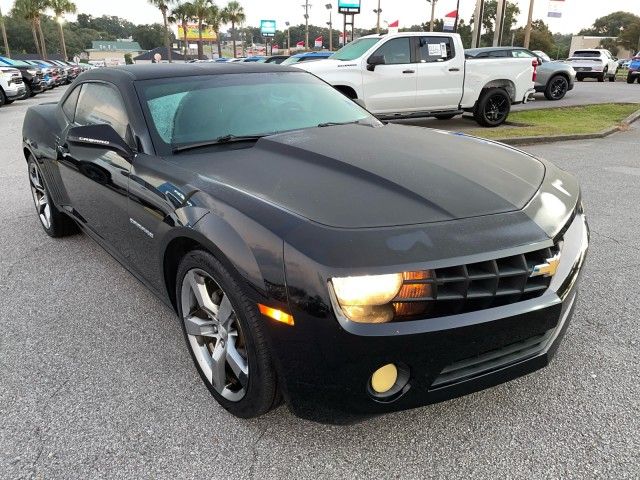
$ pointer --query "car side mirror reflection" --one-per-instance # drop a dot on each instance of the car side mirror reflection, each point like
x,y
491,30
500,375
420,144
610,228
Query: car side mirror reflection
x,y
100,136
374,61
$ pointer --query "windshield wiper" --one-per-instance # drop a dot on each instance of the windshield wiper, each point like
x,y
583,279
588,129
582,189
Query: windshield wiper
x,y
333,124
219,141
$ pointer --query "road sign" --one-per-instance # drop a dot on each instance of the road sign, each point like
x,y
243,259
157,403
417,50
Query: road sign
x,y
349,6
268,28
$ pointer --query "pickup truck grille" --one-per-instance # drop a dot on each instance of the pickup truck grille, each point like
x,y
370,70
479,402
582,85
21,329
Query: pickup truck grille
x,y
16,79
472,287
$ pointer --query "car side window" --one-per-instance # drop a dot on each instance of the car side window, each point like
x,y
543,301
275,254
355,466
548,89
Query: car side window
x,y
102,104
396,51
436,49
69,105
522,54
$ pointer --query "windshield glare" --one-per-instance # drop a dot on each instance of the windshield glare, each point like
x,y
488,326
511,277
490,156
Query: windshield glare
x,y
188,110
355,49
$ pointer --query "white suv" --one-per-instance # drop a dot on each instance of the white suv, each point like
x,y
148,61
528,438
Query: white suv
x,y
593,63
11,85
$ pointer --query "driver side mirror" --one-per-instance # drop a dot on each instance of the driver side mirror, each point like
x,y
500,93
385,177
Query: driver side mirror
x,y
101,136
374,61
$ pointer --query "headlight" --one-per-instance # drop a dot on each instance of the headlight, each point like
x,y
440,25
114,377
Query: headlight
x,y
367,299
32,72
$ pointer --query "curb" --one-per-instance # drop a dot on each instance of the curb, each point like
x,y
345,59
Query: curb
x,y
518,141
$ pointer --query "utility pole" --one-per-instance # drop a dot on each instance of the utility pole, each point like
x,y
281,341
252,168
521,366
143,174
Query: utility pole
x,y
433,13
288,37
378,11
477,24
330,8
306,7
527,30
500,13
4,36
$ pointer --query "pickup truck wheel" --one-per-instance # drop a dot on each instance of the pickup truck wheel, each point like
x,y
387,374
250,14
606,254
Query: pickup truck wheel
x,y
612,78
556,88
445,116
493,108
630,78
53,221
602,76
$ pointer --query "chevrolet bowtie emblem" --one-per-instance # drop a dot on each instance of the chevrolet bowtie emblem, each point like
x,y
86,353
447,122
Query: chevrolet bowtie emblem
x,y
547,269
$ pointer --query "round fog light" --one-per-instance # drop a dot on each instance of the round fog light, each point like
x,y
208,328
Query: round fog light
x,y
384,378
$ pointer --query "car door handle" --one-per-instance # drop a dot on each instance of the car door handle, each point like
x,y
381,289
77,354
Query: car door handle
x,y
454,69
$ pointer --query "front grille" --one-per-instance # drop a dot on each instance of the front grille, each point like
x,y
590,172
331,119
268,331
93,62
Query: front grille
x,y
472,287
16,80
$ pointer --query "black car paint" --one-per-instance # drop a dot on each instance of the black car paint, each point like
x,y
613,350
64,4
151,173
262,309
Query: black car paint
x,y
148,210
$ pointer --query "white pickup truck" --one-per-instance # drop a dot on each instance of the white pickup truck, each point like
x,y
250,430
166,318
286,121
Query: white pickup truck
x,y
11,85
425,74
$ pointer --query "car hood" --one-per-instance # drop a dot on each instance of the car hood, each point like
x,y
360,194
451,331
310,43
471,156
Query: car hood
x,y
356,176
323,65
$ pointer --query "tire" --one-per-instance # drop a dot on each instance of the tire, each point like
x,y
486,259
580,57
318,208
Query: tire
x,y
579,78
630,78
8,102
29,93
3,98
54,222
493,108
445,116
612,78
246,384
557,88
602,76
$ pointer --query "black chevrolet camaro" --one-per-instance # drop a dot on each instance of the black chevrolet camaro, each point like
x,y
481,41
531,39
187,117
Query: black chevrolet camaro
x,y
311,252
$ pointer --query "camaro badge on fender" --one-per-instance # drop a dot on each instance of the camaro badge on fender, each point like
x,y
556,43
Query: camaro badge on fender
x,y
547,269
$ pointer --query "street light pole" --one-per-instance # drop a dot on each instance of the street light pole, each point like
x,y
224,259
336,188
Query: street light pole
x,y
527,30
4,36
378,12
433,13
330,7
306,7
288,37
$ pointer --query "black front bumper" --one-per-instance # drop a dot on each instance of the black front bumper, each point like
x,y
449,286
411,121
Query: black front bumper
x,y
327,378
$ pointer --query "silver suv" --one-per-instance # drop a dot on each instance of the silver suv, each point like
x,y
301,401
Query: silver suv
x,y
554,78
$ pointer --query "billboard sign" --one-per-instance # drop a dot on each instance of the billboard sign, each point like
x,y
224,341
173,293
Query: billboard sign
x,y
208,35
349,6
268,28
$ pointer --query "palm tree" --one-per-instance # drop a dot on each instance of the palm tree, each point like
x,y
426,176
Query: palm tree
x,y
163,6
234,13
183,14
60,7
31,10
214,20
201,12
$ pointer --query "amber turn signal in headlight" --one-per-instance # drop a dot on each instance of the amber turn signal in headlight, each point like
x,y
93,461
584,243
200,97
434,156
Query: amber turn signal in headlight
x,y
275,314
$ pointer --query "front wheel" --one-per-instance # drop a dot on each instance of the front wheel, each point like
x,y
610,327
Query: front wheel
x,y
222,329
53,221
556,88
630,78
493,108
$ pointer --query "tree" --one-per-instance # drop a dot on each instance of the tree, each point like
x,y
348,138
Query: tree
x,y
610,25
489,19
215,20
234,14
128,59
201,11
541,37
630,37
183,14
60,7
163,6
31,10
149,36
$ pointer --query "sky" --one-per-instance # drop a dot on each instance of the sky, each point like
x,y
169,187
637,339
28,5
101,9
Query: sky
x,y
577,14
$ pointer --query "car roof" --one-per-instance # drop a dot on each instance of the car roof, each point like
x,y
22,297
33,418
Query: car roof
x,y
169,70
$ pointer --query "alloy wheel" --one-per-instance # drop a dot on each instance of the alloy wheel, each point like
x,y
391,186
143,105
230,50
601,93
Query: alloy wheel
x,y
40,196
215,335
496,109
558,88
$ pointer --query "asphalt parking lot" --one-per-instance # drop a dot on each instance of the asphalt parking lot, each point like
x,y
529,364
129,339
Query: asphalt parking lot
x,y
96,382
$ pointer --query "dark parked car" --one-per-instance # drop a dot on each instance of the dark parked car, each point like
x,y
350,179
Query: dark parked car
x,y
32,77
554,79
311,252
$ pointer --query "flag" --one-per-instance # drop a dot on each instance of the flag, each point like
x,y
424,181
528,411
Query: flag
x,y
300,45
395,24
555,8
450,21
318,42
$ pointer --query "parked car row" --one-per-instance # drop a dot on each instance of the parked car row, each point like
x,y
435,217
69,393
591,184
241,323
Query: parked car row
x,y
26,78
276,59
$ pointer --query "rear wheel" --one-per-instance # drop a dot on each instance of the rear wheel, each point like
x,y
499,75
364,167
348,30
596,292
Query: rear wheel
x,y
556,88
3,98
222,329
612,78
493,108
630,78
602,76
53,221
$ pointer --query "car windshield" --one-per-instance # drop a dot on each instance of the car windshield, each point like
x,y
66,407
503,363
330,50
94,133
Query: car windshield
x,y
291,60
355,49
196,110
586,54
